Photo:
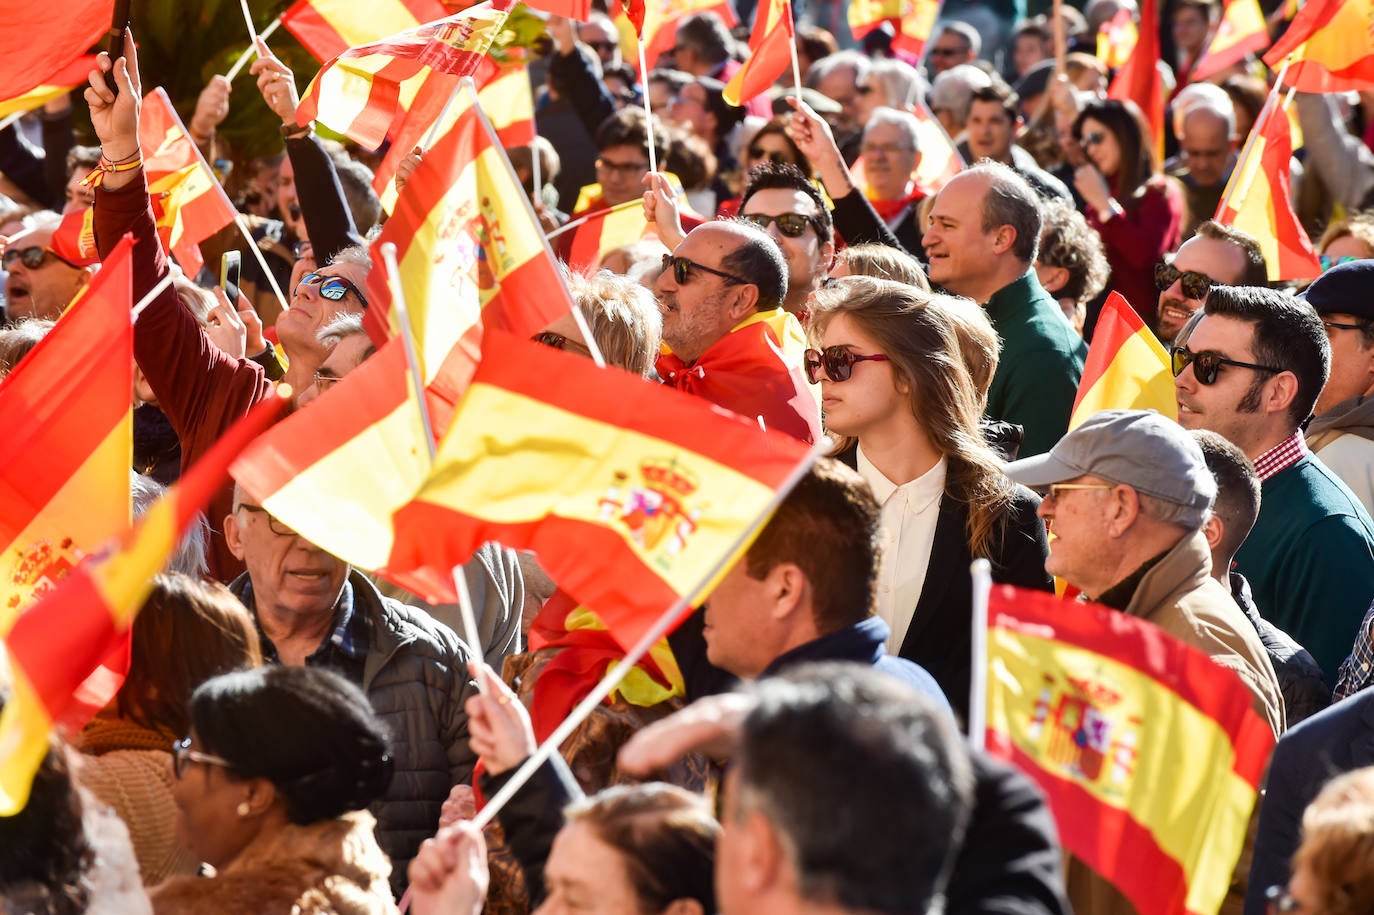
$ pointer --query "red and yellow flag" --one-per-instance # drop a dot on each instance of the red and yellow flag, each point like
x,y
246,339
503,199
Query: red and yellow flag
x,y
188,200
1257,198
57,644
583,245
913,20
1329,47
1126,369
1139,79
1116,39
74,240
770,55
58,84
469,251
42,39
367,92
633,495
1241,31
1101,709
68,442
327,28
657,24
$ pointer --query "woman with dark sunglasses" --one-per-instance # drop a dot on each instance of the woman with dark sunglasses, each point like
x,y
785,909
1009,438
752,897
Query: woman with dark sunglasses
x,y
1137,211
898,392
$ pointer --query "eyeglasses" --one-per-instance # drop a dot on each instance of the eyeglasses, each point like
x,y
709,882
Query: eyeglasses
x,y
1329,262
32,258
1091,139
884,149
602,47
1206,365
281,530
1054,489
332,288
1338,325
323,383
947,52
625,169
682,271
1195,285
777,158
558,341
183,754
837,362
793,225
1281,901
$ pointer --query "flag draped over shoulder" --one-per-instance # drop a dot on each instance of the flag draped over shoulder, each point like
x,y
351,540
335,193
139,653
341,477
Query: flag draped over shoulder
x,y
1139,79
468,248
40,39
1127,367
368,92
327,28
57,644
1241,31
188,201
60,82
913,21
1330,47
633,495
68,443
1101,709
770,55
1257,198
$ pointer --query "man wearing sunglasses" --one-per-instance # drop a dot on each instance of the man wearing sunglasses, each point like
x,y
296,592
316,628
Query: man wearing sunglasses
x,y
318,298
1215,255
780,200
41,282
1250,367
721,293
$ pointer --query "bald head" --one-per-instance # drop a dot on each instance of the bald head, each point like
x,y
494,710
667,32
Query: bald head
x,y
1207,143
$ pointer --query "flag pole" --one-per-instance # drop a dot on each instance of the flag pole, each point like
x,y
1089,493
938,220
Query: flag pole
x,y
398,302
573,224
262,261
1238,174
248,19
981,570
251,50
474,639
648,109
152,294
621,670
796,65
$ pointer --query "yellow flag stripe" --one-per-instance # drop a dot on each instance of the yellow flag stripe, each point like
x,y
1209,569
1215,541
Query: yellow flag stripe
x,y
383,17
1138,379
24,726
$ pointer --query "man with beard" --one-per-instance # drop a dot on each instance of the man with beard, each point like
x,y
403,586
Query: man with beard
x,y
1216,255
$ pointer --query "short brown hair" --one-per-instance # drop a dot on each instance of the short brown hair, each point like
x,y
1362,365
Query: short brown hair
x,y
1338,844
999,93
883,262
1256,268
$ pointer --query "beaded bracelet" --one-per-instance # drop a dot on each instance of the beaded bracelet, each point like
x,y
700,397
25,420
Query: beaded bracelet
x,y
105,167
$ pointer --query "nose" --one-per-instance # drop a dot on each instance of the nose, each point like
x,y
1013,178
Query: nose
x,y
665,282
1046,508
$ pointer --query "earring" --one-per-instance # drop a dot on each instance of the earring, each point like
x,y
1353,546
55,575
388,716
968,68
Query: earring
x,y
243,809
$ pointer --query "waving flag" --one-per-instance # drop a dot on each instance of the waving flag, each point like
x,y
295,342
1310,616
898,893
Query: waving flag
x,y
770,52
594,236
188,200
57,644
42,39
1257,198
913,21
1126,369
1139,79
328,28
1241,31
657,21
1116,39
1330,46
1100,709
61,82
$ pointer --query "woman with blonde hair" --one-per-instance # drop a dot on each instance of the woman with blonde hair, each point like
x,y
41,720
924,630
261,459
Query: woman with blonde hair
x,y
898,392
1333,869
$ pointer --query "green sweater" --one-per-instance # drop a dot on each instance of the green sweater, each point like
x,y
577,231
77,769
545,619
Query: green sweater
x,y
1042,361
1310,560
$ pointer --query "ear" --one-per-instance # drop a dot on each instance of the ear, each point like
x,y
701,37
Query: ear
x,y
1279,393
232,535
262,794
745,302
915,166
828,258
1003,239
1213,529
1054,278
1124,510
763,859
787,587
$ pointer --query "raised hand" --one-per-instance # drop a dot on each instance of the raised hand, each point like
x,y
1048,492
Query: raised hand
x,y
499,728
277,84
115,117
449,875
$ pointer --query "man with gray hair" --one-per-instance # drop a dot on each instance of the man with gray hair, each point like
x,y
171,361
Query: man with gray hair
x,y
982,241
891,152
951,95
957,43
838,77
1206,134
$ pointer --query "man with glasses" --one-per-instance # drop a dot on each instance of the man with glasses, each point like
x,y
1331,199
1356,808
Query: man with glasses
x,y
1126,496
957,43
317,299
1250,367
1215,255
721,293
780,200
1342,435
41,282
891,150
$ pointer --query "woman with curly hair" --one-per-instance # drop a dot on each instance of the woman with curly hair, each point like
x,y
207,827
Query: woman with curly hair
x,y
1333,869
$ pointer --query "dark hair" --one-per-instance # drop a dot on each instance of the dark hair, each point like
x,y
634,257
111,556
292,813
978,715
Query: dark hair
x,y
767,176
759,260
1288,335
46,851
706,34
666,837
1238,487
82,158
1256,269
828,526
627,128
727,115
778,128
186,633
892,759
1010,201
690,158
307,730
19,338
999,93
1208,8
814,42
1068,241
1034,27
1138,163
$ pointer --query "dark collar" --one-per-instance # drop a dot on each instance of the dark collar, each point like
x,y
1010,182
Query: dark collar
x,y
1012,297
348,632
863,642
1119,595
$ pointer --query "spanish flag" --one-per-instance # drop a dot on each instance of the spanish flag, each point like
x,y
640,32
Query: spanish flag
x,y
1241,31
585,241
40,40
74,240
367,92
327,28
1126,369
68,443
1149,752
58,643
770,52
1116,39
61,82
188,201
1330,47
657,22
1139,79
632,495
469,250
1257,198
913,20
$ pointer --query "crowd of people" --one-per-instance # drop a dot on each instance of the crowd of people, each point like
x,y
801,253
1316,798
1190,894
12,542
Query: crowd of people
x,y
296,734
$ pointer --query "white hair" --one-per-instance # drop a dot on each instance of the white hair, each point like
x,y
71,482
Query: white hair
x,y
904,121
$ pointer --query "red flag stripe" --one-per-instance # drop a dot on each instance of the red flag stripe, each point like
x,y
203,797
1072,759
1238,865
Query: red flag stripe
x,y
49,650
316,33
1108,342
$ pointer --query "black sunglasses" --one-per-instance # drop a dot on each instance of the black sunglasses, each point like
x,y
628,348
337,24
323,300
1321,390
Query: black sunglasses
x,y
32,258
682,270
605,47
837,362
1091,139
777,158
558,341
332,288
793,225
1206,365
1195,285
